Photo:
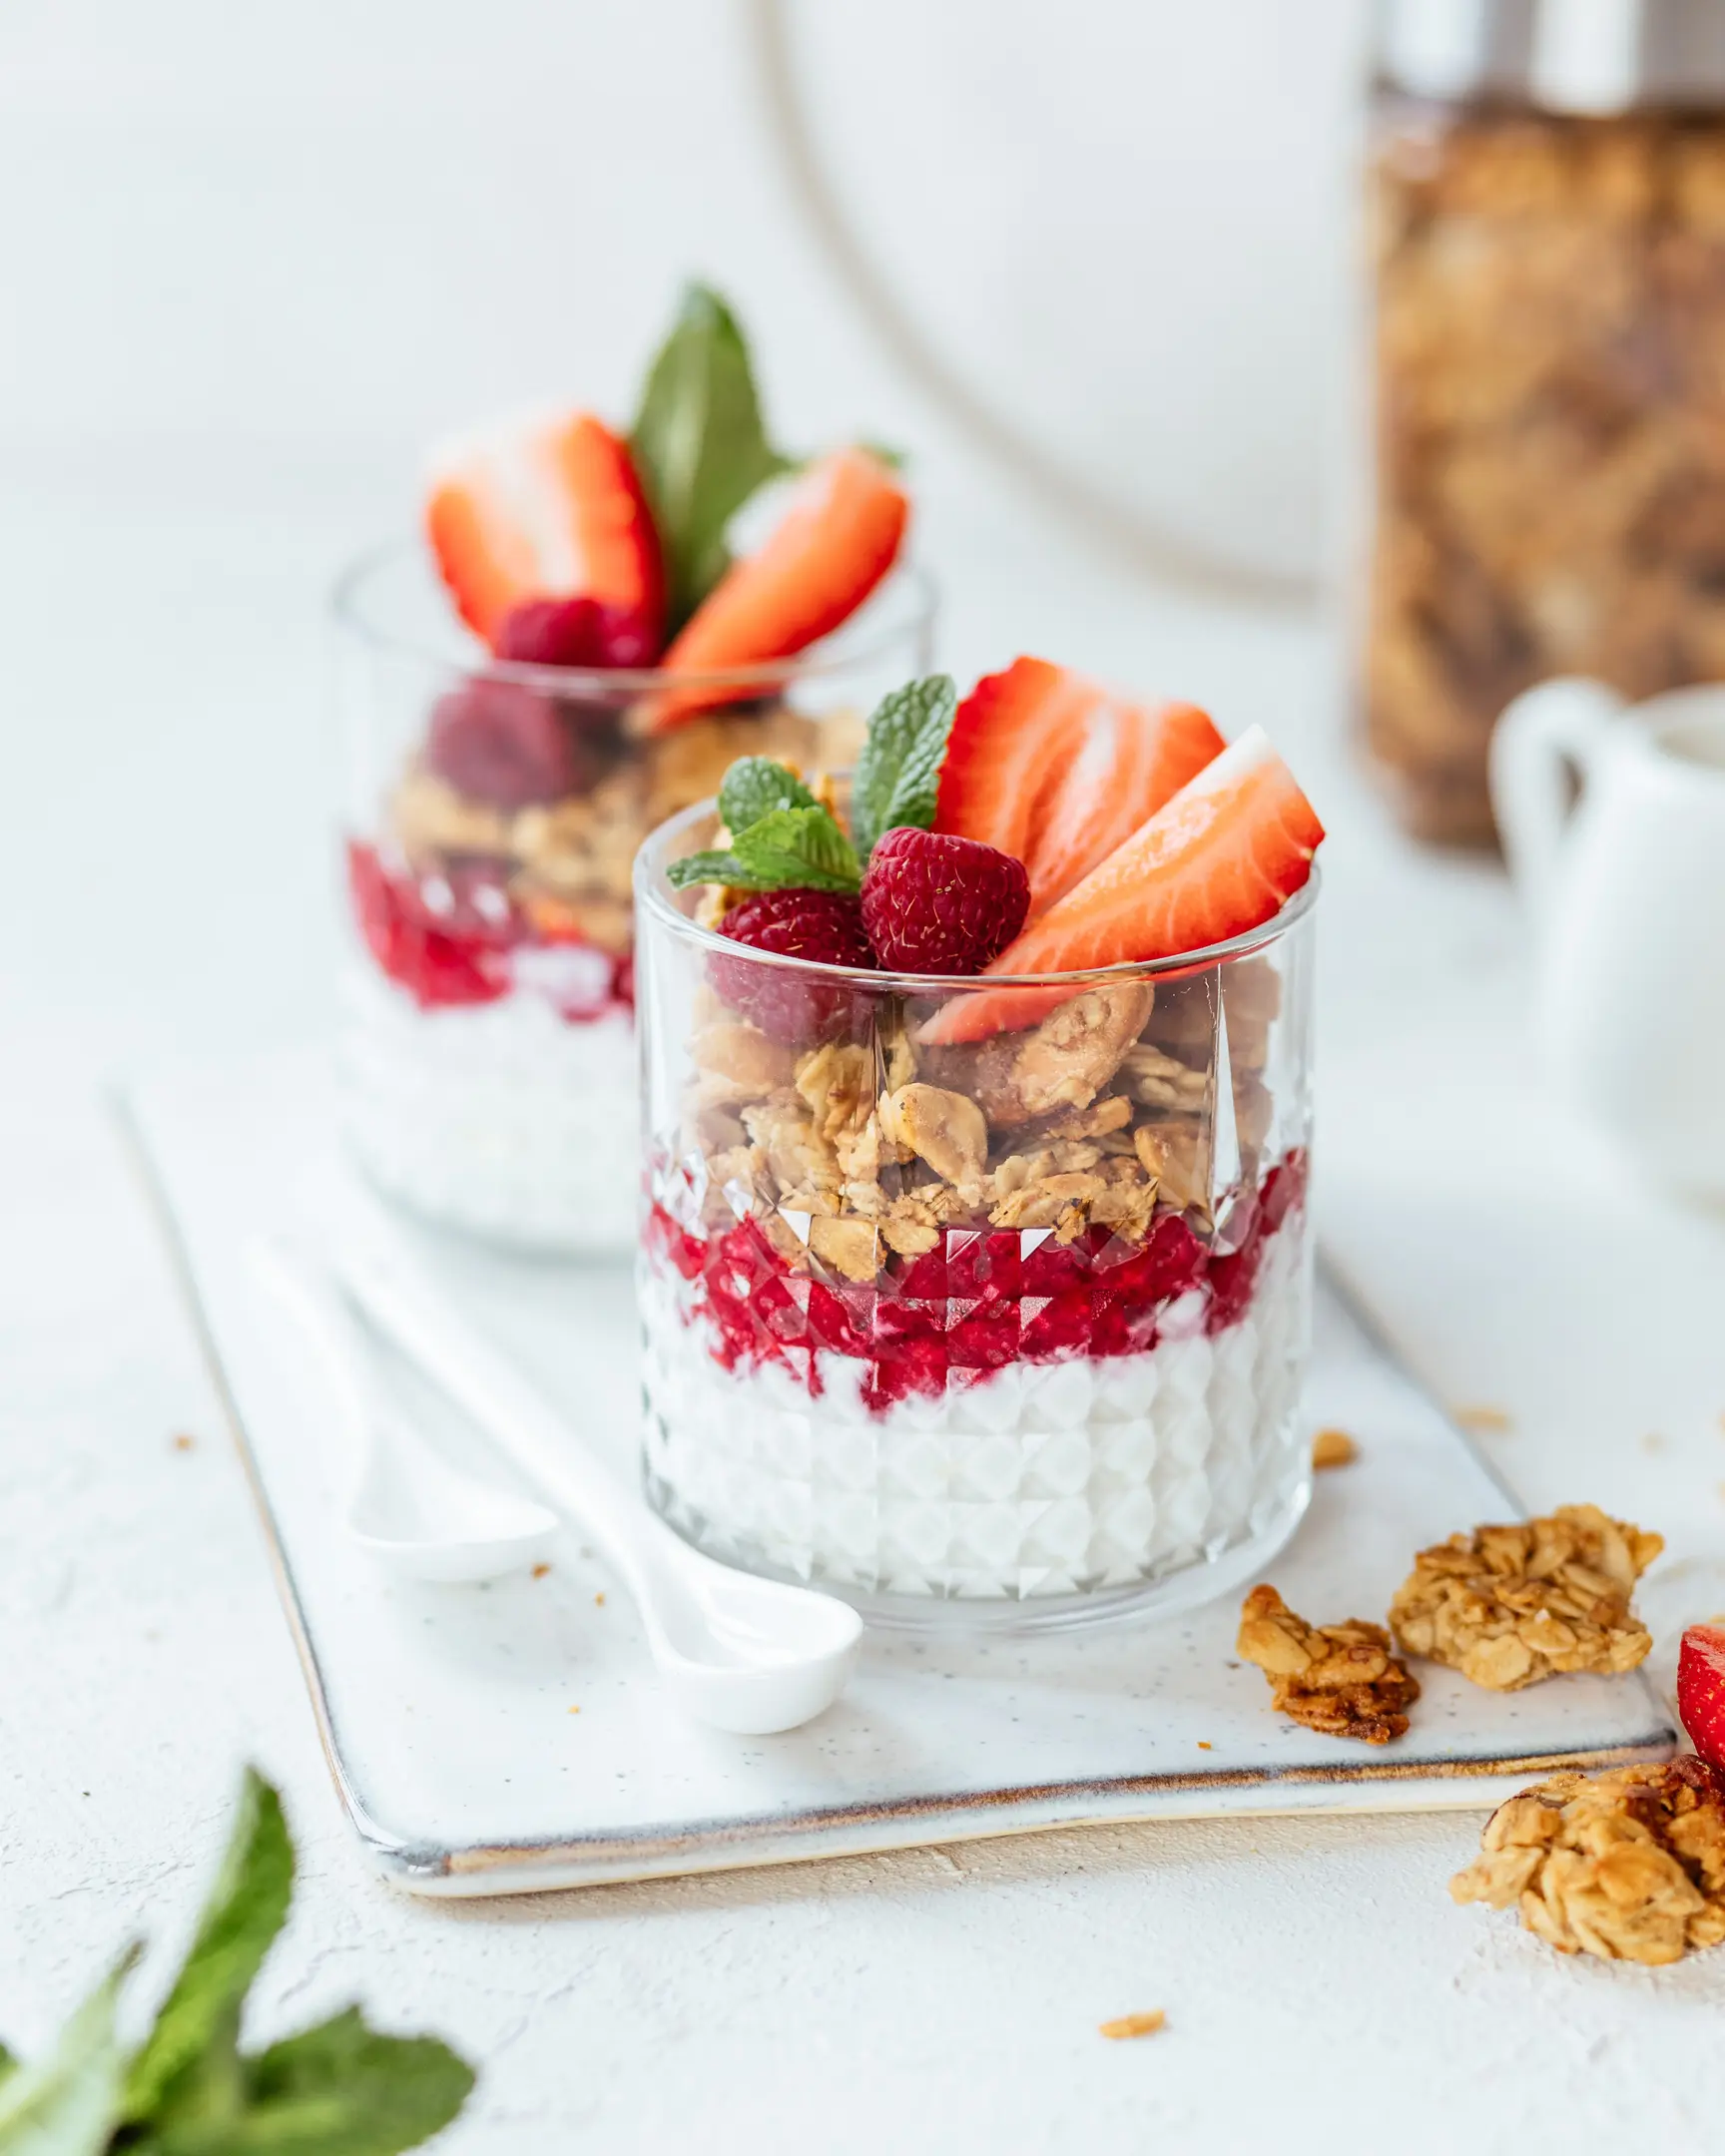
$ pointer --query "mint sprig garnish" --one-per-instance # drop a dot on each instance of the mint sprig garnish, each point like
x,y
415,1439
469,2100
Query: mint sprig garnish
x,y
898,772
700,444
788,848
340,2088
754,786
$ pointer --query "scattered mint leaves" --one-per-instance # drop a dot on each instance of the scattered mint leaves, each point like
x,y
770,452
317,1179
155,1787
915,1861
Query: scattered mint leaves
x,y
788,848
69,2103
340,2089
700,444
248,1905
754,786
898,772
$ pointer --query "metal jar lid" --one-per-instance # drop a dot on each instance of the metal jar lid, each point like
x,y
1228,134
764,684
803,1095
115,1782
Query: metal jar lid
x,y
1574,56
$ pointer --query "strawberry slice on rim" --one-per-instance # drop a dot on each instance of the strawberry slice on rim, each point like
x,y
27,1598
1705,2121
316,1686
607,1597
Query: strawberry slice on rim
x,y
840,535
1223,856
543,507
1056,770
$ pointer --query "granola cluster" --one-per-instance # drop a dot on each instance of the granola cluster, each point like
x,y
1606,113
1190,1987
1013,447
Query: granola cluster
x,y
1509,1605
1551,426
1341,1680
1629,1866
571,859
1101,1115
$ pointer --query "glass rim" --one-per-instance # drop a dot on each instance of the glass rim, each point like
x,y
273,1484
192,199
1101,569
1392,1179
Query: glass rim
x,y
652,895
822,660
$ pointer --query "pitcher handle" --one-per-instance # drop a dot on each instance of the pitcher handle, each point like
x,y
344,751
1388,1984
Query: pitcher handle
x,y
1545,741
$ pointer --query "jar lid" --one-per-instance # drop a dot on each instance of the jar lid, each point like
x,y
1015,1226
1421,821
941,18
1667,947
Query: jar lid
x,y
1573,56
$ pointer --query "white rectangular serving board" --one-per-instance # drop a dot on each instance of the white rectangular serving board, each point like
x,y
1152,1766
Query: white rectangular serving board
x,y
446,1711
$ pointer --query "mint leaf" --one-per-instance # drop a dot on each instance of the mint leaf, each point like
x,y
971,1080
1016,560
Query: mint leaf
x,y
753,787
700,444
785,850
340,2089
898,772
246,1908
69,2103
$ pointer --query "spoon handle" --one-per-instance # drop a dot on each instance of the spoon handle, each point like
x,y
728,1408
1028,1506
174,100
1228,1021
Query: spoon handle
x,y
298,1289
423,1321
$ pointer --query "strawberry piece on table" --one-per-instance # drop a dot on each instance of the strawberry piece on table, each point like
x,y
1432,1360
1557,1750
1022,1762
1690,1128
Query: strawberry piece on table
x,y
543,508
1222,858
1701,1690
836,542
1057,771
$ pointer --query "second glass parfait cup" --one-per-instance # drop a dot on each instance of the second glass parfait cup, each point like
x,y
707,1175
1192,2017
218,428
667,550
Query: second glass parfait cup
x,y
979,1314
493,815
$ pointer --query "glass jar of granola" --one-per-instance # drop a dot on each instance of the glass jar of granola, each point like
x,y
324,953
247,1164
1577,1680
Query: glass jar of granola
x,y
488,1054
1547,196
1004,1331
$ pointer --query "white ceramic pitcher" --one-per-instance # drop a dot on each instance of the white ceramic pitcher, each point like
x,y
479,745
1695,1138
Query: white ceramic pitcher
x,y
1614,821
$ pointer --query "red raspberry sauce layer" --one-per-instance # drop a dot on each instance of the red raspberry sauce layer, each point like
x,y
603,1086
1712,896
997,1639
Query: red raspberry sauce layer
x,y
980,1302
461,951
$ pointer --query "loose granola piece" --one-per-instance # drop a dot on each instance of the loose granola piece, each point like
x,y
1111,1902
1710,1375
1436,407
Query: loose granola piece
x,y
850,1246
1509,1605
1134,2025
1128,1204
912,1226
1049,1201
944,1129
742,1059
1629,1866
1341,1680
1333,1448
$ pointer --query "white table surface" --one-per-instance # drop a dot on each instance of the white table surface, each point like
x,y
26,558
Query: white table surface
x,y
164,885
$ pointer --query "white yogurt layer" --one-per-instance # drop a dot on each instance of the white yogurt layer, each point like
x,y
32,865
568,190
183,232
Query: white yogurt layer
x,y
502,1119
1038,1479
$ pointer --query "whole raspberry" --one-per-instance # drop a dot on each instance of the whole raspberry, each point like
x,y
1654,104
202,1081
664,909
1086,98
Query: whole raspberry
x,y
823,928
933,903
499,743
578,631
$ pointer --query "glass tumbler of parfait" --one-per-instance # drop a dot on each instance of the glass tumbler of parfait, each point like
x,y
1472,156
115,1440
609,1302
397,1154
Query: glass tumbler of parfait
x,y
573,658
982,1295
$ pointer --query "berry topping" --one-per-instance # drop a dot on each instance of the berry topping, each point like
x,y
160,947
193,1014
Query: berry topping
x,y
1058,770
838,538
1219,858
1701,1690
578,631
542,509
823,928
933,903
501,744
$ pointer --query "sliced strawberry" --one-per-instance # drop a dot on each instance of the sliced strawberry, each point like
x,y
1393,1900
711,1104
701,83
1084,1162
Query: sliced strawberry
x,y
1223,856
836,542
1701,1690
542,508
1054,769
1131,760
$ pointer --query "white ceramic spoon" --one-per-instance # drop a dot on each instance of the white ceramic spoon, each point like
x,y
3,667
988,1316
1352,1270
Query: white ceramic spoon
x,y
741,1653
411,1512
